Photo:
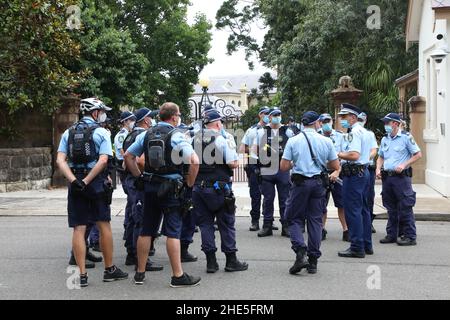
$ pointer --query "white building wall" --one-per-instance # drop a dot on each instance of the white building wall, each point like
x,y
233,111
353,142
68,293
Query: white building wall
x,y
434,85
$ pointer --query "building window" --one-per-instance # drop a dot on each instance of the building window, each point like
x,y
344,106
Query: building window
x,y
239,104
232,102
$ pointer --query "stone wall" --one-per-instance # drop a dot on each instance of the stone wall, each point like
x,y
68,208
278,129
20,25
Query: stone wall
x,y
25,169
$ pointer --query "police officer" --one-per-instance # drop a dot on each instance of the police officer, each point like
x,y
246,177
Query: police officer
x,y
252,169
293,128
212,195
135,197
336,137
356,157
271,142
126,121
82,158
308,155
165,149
372,166
398,151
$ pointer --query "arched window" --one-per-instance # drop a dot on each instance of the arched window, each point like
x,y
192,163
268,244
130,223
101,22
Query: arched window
x,y
239,103
232,102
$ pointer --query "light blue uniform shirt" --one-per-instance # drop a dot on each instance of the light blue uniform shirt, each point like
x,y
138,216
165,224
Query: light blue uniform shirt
x,y
118,142
178,141
373,144
358,140
297,151
249,139
102,141
397,150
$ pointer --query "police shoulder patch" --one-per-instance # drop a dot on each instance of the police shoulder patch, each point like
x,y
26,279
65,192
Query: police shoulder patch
x,y
350,137
411,138
121,139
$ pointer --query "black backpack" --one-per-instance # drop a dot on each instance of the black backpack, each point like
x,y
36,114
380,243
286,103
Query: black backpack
x,y
130,139
158,151
82,148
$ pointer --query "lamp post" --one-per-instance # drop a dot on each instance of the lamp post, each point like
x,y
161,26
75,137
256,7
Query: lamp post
x,y
204,83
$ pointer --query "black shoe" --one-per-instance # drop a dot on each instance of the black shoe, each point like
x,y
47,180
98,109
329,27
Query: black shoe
x,y
345,236
130,260
312,265
96,247
186,256
211,263
254,227
88,264
83,280
185,281
324,234
349,253
285,232
373,229
274,227
265,232
139,278
405,241
300,262
369,252
92,257
387,239
233,264
116,274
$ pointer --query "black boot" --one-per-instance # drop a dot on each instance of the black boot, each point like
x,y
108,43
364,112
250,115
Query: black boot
x,y
233,264
300,262
211,263
312,265
254,226
285,232
131,259
324,234
88,264
185,255
266,231
92,257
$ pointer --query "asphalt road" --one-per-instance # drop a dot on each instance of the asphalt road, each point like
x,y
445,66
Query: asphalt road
x,y
34,255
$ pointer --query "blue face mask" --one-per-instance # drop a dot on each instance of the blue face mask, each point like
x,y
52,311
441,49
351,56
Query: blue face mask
x,y
223,132
276,120
326,127
388,129
266,119
345,124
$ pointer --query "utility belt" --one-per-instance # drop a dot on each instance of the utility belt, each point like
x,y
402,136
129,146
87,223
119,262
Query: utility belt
x,y
219,187
372,167
167,185
405,173
80,171
349,170
104,191
298,179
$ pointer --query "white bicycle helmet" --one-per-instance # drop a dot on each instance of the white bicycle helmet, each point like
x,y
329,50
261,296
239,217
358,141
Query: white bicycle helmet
x,y
91,104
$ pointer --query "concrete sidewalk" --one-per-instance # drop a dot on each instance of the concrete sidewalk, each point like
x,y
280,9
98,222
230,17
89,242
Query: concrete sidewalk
x,y
431,206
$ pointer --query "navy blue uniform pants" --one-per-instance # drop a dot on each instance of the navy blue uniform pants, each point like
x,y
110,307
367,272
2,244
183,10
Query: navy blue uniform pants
x,y
255,192
282,183
134,225
371,194
357,213
306,202
209,205
399,199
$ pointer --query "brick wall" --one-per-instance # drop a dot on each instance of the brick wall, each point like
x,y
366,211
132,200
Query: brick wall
x,y
25,169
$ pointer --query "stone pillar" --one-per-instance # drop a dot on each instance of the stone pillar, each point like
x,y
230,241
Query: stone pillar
x,y
417,116
63,118
345,93
244,101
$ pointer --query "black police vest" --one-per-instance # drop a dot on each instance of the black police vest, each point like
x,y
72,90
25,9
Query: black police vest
x,y
210,170
158,151
81,143
131,138
270,148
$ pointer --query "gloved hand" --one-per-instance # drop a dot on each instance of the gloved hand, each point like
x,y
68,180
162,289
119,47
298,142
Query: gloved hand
x,y
139,183
78,185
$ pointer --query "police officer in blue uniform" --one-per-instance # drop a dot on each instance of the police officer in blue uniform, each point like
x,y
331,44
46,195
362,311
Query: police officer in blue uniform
x,y
212,195
336,191
293,127
398,151
356,157
166,149
252,170
362,118
135,197
271,142
82,158
310,156
127,120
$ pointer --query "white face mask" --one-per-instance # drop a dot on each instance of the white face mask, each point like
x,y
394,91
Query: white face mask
x,y
154,123
179,122
101,118
131,125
